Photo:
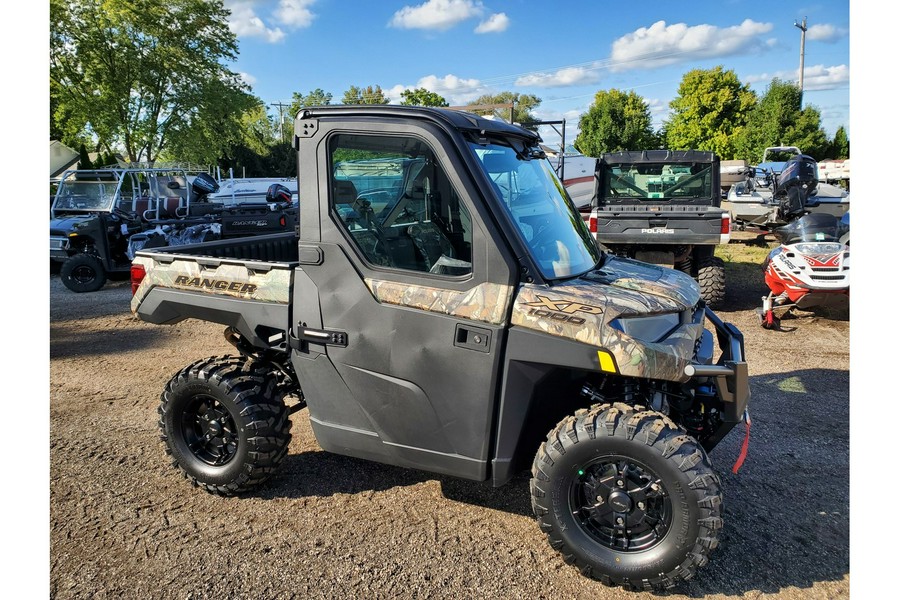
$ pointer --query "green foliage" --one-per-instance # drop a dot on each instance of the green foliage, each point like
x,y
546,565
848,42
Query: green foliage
x,y
214,124
523,104
316,97
709,113
84,160
258,131
840,145
777,120
422,97
368,95
616,121
139,73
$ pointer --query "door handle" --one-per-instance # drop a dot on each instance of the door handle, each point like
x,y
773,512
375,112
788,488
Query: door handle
x,y
473,338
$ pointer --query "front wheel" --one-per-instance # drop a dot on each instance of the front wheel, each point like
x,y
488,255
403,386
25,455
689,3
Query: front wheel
x,y
627,497
225,424
83,273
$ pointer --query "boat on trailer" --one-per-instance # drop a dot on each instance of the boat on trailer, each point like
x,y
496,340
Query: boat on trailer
x,y
752,201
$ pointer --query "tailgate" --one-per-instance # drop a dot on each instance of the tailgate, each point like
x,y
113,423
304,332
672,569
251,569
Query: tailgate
x,y
683,224
662,225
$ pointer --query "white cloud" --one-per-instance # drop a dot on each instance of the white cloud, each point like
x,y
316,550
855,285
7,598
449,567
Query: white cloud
x,y
815,78
455,90
494,24
825,33
436,14
821,77
295,13
661,45
245,22
562,77
247,78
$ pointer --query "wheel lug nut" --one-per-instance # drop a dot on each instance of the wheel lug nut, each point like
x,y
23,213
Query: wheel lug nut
x,y
641,505
620,483
619,520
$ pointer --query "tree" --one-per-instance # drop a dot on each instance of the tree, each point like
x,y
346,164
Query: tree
x,y
778,120
422,97
709,113
369,95
84,160
523,104
840,145
129,73
615,121
316,97
217,122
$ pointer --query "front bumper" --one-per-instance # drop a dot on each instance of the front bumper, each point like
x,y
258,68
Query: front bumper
x,y
59,248
730,375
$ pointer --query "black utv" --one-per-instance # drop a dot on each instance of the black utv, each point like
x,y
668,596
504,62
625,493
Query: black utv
x,y
95,213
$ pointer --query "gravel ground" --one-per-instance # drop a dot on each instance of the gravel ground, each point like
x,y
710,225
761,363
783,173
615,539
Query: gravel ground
x,y
125,524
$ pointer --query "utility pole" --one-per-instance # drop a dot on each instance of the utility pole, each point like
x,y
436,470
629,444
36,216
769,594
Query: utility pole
x,y
281,106
802,28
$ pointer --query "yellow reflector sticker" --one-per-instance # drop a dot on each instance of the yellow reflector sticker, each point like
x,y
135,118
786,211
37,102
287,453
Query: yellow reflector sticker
x,y
606,361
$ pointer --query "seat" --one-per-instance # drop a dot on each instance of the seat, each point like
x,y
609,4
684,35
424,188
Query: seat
x,y
140,205
344,191
430,242
168,207
368,237
411,203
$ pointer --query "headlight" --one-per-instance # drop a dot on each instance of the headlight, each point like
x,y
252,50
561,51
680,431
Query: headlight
x,y
819,248
648,329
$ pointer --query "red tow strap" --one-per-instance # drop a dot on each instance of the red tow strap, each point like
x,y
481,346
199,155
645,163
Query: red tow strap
x,y
743,454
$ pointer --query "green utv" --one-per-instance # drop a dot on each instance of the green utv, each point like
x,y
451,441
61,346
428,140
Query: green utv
x,y
449,311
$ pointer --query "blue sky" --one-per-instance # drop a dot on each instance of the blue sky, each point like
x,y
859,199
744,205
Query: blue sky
x,y
563,52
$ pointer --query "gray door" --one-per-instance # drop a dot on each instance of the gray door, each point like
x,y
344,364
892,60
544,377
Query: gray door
x,y
406,273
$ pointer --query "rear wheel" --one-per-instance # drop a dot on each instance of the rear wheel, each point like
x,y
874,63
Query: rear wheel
x,y
627,497
225,424
83,273
711,277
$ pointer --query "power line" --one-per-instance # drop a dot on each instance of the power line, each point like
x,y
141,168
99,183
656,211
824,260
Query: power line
x,y
281,106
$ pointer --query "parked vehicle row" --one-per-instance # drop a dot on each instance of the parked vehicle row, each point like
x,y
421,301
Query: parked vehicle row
x,y
99,217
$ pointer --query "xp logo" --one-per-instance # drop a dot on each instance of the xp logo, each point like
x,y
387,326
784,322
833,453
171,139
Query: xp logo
x,y
561,310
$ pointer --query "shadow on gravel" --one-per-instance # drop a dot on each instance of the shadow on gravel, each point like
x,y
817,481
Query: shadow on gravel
x,y
787,521
324,474
744,286
786,513
72,341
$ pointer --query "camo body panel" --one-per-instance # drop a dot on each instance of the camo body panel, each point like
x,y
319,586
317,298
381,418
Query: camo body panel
x,y
269,286
622,288
486,302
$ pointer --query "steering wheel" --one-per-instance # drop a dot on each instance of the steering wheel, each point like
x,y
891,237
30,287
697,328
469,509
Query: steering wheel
x,y
122,214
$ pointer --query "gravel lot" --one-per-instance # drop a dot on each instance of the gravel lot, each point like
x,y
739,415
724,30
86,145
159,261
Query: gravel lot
x,y
125,524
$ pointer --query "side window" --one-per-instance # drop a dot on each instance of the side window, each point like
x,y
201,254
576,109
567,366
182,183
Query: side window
x,y
398,205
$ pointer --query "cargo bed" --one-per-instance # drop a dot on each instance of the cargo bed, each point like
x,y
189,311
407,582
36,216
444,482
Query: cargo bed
x,y
241,283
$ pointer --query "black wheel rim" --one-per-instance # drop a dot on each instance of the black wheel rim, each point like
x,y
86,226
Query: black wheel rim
x,y
621,504
83,274
209,430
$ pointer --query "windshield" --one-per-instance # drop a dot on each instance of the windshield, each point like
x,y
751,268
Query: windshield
x,y
813,227
538,204
86,195
653,181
